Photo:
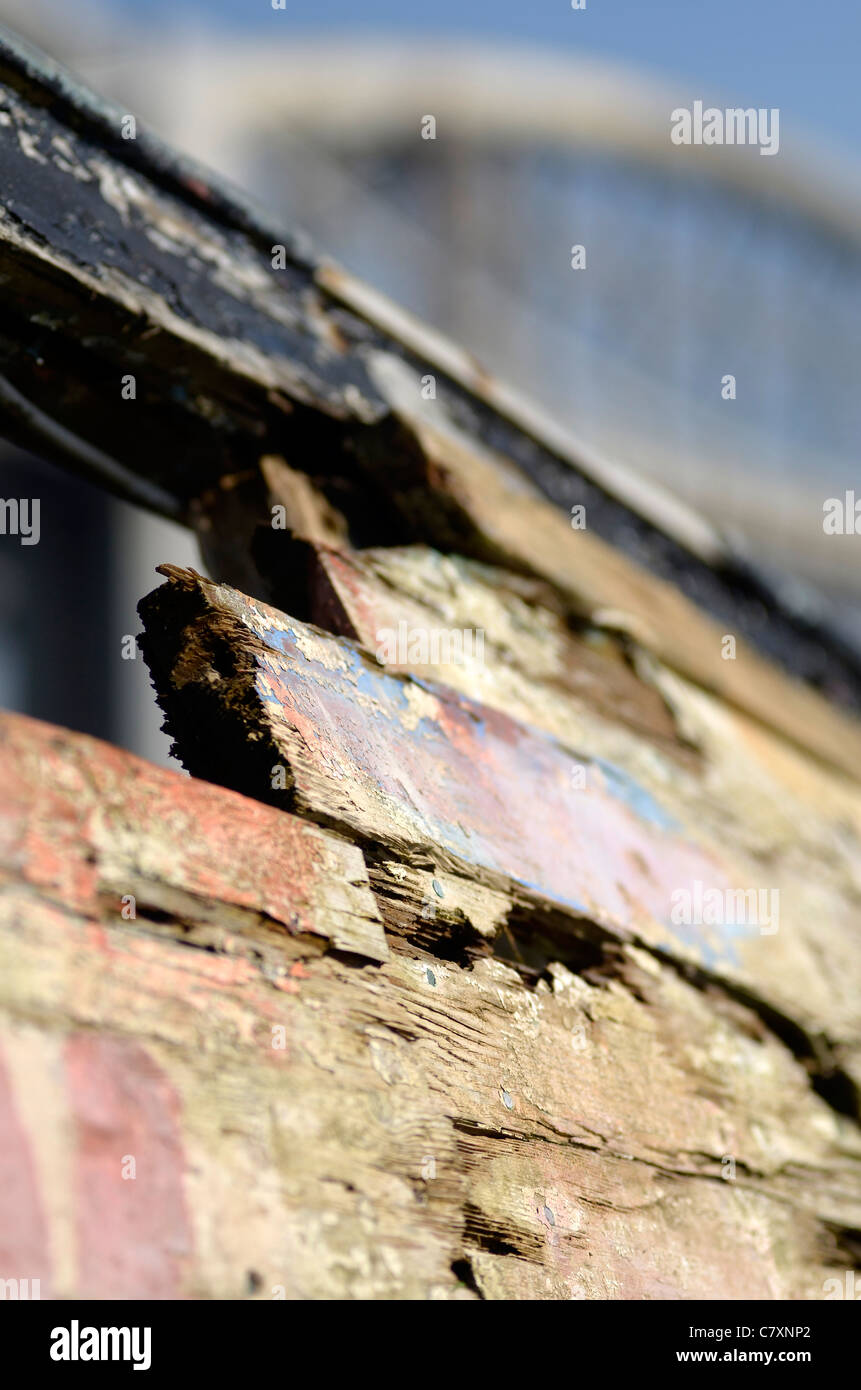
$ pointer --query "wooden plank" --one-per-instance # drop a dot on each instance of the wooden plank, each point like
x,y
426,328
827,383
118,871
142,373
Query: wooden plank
x,y
584,850
432,1128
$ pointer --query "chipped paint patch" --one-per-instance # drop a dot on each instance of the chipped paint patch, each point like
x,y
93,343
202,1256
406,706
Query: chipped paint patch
x,y
387,758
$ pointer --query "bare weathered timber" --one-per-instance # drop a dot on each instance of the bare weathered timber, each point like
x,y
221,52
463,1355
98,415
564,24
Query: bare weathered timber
x,y
311,1121
585,850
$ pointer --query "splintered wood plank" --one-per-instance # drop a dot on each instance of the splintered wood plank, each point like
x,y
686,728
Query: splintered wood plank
x,y
403,765
306,1123
422,771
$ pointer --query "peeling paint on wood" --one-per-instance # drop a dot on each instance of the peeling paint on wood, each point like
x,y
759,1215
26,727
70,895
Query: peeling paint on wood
x,y
471,1137
87,831
394,761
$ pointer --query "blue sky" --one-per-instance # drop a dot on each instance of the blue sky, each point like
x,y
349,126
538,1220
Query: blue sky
x,y
801,55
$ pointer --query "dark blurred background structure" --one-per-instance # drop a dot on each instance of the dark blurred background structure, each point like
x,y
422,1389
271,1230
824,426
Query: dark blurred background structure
x,y
700,262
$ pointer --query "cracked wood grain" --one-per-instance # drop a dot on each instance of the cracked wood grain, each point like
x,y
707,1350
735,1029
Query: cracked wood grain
x,y
429,1130
443,779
